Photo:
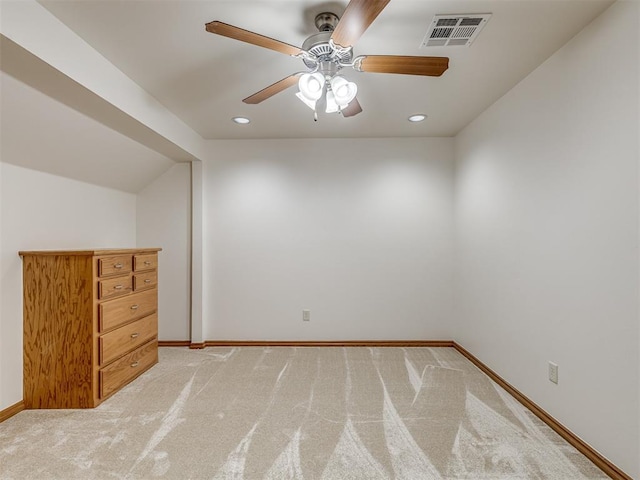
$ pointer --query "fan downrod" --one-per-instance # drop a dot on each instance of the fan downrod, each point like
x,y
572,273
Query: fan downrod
x,y
319,47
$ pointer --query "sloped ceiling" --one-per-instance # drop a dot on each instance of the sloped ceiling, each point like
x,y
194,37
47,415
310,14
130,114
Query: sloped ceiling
x,y
43,133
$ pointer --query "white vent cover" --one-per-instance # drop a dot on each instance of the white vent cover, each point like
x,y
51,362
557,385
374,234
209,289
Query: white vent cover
x,y
457,30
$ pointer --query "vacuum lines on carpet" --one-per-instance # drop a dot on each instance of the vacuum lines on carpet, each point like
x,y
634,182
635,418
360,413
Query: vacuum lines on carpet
x,y
295,413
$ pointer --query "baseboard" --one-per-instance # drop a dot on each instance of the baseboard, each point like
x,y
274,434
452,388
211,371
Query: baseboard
x,y
329,343
174,343
601,462
11,411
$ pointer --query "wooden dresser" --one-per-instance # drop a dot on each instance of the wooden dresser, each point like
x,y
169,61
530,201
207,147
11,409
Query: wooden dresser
x,y
90,323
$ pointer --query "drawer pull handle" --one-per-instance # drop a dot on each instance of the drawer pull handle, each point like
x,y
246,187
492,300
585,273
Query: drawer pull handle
x,y
147,280
118,287
135,335
134,307
147,263
118,265
134,364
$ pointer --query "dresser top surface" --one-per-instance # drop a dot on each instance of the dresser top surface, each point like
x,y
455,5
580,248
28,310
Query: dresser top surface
x,y
104,251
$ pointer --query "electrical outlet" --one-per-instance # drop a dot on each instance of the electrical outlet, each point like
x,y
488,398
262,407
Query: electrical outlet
x,y
553,372
306,315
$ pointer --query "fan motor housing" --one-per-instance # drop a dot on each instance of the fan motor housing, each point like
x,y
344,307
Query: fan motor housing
x,y
318,46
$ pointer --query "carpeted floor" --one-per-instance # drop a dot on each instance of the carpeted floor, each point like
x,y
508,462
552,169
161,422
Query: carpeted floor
x,y
295,413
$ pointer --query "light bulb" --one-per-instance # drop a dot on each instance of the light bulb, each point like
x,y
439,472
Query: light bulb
x,y
417,118
311,85
344,90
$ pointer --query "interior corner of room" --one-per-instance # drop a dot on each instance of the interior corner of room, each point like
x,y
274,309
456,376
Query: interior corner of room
x,y
515,236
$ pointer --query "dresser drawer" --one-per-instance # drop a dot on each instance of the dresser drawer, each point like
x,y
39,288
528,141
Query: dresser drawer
x,y
116,312
114,287
145,262
122,371
145,280
124,339
114,265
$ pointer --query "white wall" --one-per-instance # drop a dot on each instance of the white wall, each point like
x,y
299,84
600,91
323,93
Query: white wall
x,y
164,220
358,231
43,211
2,368
547,235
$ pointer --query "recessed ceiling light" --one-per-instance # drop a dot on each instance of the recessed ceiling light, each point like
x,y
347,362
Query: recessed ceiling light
x,y
417,118
241,120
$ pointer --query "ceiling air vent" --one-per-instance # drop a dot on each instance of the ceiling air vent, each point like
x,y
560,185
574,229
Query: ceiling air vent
x,y
458,30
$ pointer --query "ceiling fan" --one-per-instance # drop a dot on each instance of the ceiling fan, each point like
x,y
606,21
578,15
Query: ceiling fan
x,y
327,52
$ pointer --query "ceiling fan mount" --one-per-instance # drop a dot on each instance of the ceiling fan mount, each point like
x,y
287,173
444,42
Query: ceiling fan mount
x,y
326,21
327,52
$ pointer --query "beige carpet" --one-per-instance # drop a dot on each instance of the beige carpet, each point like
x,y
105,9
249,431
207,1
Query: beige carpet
x,y
295,413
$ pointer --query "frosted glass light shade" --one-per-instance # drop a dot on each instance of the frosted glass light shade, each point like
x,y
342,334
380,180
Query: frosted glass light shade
x,y
343,90
332,106
311,85
309,103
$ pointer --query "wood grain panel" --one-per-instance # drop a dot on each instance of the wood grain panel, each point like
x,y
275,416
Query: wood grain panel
x,y
122,371
236,33
58,333
114,265
272,89
145,262
93,252
114,287
406,65
355,20
114,313
70,299
142,281
354,108
122,340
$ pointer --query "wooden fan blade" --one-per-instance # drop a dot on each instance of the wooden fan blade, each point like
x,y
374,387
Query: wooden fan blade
x,y
357,17
428,66
352,109
271,90
236,33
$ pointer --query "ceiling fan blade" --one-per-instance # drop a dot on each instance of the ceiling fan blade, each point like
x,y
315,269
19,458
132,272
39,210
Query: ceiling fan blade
x,y
271,90
357,17
226,30
428,66
352,109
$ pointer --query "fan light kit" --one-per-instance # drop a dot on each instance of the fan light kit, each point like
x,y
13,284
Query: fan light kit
x,y
326,53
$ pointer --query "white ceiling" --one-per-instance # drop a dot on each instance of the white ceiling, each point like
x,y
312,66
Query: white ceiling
x,y
202,78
